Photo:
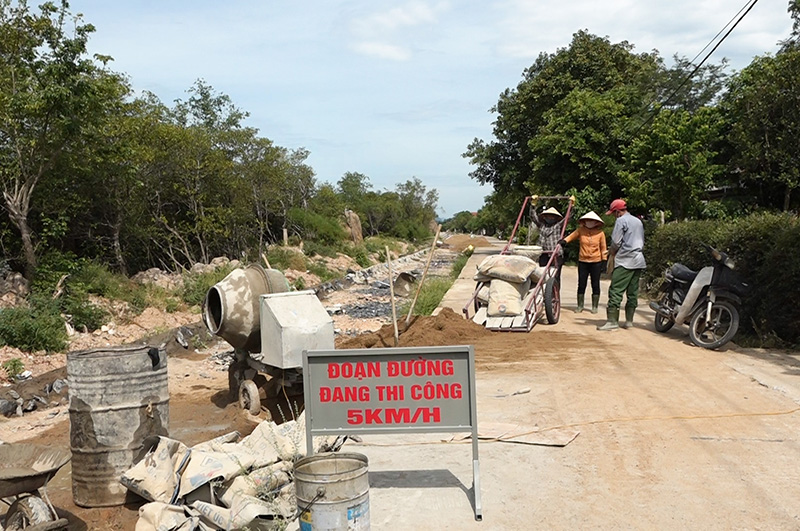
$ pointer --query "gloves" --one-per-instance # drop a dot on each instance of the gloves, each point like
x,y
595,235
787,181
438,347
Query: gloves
x,y
562,243
604,267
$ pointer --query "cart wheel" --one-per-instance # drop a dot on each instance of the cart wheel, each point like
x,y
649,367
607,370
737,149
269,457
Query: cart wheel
x,y
249,400
552,300
27,511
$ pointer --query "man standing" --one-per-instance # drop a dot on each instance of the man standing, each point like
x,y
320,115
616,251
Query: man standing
x,y
627,242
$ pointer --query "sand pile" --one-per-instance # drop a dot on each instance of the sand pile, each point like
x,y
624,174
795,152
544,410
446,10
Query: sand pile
x,y
459,242
447,328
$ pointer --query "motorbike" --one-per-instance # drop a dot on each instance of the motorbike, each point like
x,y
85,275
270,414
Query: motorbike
x,y
707,300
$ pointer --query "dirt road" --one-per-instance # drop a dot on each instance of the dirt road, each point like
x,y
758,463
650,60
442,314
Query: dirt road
x,y
670,436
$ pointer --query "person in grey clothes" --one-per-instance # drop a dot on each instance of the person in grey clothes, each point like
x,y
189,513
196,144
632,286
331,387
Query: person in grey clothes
x,y
627,242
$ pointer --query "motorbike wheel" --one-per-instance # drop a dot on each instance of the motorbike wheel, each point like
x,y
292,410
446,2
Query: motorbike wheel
x,y
663,324
719,330
552,300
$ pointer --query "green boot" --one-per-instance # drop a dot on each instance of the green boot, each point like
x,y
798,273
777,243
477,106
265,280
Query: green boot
x,y
595,302
579,309
612,320
629,313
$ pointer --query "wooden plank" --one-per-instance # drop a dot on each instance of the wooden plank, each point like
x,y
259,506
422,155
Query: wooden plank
x,y
480,316
519,321
494,322
507,321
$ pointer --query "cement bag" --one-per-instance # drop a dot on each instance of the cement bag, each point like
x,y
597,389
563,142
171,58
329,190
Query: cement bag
x,y
508,267
538,273
154,478
483,295
505,298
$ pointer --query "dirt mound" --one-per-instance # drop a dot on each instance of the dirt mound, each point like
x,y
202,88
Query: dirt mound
x,y
459,242
447,328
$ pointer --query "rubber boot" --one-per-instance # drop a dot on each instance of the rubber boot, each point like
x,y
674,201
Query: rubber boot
x,y
629,313
595,302
579,309
612,320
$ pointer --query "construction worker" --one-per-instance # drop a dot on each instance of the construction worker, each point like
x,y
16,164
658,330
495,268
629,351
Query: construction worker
x,y
550,223
592,256
627,242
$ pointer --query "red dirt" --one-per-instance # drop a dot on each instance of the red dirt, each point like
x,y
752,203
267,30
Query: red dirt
x,y
446,328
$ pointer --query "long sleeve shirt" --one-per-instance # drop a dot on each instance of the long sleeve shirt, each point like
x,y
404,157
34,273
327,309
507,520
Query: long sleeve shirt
x,y
627,242
548,234
591,242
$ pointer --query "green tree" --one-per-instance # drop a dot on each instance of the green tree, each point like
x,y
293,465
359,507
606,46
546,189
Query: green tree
x,y
591,75
47,96
673,164
763,110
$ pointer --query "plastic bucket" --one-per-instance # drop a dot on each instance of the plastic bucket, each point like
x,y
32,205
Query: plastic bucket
x,y
333,492
118,396
231,307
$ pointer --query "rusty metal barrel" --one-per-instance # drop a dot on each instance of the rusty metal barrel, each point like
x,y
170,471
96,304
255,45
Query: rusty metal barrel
x,y
231,308
118,396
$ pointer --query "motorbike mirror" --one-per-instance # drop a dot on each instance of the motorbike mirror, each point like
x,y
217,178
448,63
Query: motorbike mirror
x,y
730,264
716,254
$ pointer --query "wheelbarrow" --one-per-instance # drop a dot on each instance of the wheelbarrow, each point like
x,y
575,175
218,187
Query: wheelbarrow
x,y
25,470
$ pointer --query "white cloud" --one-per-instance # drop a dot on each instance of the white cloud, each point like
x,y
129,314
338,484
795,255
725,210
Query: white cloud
x,y
383,34
382,50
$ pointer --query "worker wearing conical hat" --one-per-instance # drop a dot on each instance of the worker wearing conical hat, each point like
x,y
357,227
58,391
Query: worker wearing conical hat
x,y
592,257
550,223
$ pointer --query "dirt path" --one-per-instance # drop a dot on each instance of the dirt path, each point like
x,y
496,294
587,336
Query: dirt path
x,y
670,436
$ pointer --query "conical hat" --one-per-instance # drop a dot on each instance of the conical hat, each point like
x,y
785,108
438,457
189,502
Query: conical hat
x,y
591,216
552,211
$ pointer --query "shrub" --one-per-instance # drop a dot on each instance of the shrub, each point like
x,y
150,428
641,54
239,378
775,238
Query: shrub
x,y
358,253
311,248
322,271
13,367
38,327
196,285
764,247
84,313
430,295
283,259
458,265
317,227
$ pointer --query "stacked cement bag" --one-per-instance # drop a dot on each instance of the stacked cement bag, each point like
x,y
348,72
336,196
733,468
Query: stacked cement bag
x,y
509,278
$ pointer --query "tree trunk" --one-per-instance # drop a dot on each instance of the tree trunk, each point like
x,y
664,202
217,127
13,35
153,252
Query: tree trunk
x,y
123,267
21,222
787,198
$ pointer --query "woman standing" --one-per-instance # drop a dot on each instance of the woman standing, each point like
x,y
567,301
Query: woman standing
x,y
591,258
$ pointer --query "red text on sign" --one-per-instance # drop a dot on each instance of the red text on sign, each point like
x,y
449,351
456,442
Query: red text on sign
x,y
390,415
344,394
359,370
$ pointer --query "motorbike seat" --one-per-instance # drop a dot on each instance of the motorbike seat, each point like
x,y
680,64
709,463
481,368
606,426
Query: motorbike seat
x,y
681,272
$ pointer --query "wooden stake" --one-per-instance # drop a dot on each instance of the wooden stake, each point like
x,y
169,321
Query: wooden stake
x,y
425,272
391,291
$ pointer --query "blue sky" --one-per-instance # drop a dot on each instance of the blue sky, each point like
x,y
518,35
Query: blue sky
x,y
390,89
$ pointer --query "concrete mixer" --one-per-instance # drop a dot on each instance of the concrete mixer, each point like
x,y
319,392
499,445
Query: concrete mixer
x,y
269,327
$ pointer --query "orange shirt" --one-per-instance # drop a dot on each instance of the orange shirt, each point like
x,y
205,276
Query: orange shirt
x,y
592,244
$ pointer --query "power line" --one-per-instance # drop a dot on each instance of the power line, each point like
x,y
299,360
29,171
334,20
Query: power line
x,y
746,8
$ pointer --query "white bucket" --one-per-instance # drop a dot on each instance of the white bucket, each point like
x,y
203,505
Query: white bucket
x,y
332,492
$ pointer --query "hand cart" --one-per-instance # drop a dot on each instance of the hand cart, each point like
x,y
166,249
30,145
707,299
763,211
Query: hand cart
x,y
544,298
25,470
